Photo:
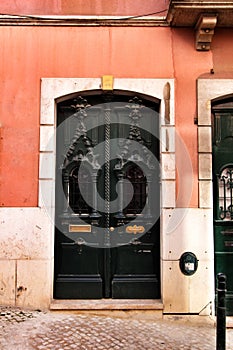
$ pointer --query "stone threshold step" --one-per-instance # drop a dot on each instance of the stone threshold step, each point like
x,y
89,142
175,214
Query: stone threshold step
x,y
229,321
107,304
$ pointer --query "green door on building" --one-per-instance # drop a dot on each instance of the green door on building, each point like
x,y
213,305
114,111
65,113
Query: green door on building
x,y
107,197
223,193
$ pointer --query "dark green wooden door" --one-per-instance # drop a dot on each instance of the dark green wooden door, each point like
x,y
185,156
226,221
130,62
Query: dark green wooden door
x,y
107,197
223,194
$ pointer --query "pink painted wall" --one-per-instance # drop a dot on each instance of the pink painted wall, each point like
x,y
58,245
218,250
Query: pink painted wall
x,y
223,51
30,53
83,7
189,64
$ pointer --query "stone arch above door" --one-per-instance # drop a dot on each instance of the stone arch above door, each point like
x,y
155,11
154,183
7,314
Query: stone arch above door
x,y
208,90
54,88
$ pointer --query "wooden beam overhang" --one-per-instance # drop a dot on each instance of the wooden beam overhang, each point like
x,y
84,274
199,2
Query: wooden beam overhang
x,y
203,16
186,13
205,31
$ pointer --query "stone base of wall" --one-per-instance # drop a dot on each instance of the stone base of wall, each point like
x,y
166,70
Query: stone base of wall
x,y
27,250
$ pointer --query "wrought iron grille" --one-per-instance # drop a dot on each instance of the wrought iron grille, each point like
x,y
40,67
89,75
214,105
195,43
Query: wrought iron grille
x,y
225,194
80,181
138,180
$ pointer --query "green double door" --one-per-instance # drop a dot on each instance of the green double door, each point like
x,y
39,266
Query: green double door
x,y
107,197
223,194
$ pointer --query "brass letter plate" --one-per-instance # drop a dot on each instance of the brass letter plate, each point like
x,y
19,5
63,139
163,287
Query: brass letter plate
x,y
80,228
135,229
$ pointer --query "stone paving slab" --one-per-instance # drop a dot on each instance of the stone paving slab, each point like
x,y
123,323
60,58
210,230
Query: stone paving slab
x,y
27,330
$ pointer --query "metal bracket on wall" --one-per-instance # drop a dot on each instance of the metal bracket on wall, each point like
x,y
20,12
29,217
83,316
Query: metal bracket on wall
x,y
205,31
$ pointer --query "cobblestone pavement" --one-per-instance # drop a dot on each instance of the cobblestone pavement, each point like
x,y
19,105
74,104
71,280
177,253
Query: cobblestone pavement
x,y
26,330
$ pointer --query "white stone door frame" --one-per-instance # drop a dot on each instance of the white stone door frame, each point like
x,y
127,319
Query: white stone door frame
x,y
54,88
207,91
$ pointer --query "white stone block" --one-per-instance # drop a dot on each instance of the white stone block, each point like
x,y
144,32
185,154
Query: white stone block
x,y
204,139
7,282
33,283
167,139
204,111
47,166
187,229
168,166
205,166
187,294
201,288
53,88
26,233
208,90
213,88
175,288
168,194
47,111
46,194
152,87
205,194
47,138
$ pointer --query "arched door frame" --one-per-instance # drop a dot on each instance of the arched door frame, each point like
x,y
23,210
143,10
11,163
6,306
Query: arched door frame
x,y
53,89
208,91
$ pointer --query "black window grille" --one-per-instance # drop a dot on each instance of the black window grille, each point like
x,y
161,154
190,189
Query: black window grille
x,y
225,184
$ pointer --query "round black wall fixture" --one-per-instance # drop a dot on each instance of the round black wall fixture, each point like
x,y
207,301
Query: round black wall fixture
x,y
188,263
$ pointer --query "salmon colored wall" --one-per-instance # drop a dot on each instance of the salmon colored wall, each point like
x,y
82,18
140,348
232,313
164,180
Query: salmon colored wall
x,y
83,7
30,53
27,54
223,51
189,64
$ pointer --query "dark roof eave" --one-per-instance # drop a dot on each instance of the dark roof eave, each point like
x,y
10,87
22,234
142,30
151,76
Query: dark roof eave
x,y
186,13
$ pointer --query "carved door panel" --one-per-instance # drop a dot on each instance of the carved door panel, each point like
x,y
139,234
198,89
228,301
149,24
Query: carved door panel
x,y
223,194
107,198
